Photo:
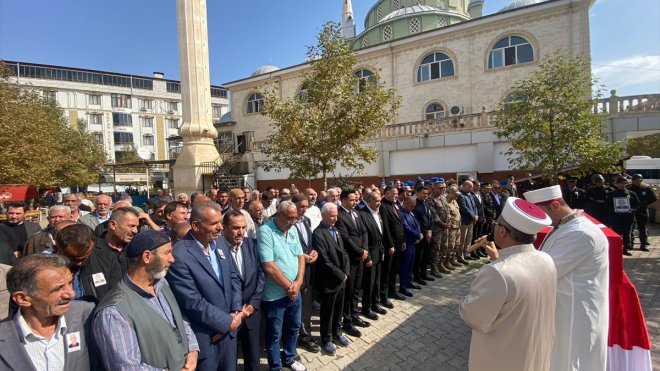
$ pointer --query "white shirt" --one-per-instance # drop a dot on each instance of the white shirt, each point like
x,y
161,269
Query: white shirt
x,y
376,216
579,250
237,256
46,355
314,215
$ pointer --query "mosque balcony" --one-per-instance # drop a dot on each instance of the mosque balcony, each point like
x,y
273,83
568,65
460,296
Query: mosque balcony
x,y
631,104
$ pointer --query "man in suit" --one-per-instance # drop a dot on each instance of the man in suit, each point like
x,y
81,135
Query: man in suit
x,y
16,230
423,249
477,230
413,236
469,217
371,277
245,257
100,214
394,242
303,227
489,207
333,265
207,288
354,237
499,200
37,335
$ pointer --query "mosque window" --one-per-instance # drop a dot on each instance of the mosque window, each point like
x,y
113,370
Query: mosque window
x,y
365,41
435,66
395,5
255,103
365,79
379,13
509,51
303,93
514,97
435,111
415,25
442,22
387,32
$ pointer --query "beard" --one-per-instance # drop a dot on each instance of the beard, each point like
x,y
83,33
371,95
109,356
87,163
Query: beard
x,y
157,269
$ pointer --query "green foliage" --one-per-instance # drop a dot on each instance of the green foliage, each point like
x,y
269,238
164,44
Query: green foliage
x,y
128,154
39,146
551,126
315,134
644,146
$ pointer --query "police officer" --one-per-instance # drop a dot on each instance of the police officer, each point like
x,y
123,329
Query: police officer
x,y
597,194
622,204
646,197
575,197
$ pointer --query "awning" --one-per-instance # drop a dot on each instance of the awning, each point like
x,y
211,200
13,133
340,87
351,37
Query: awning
x,y
17,192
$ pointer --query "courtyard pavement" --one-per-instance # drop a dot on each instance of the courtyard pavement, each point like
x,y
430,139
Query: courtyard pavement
x,y
427,333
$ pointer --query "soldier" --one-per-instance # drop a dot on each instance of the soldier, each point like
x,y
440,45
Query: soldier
x,y
622,204
440,230
453,240
596,197
575,197
646,197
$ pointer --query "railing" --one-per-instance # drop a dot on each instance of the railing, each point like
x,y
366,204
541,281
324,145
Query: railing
x,y
628,104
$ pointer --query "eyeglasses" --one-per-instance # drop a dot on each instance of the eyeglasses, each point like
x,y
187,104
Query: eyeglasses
x,y
496,223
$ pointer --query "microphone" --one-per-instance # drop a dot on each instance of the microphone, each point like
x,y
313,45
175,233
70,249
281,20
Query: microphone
x,y
481,242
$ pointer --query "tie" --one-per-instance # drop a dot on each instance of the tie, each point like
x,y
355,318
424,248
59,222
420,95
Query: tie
x,y
396,212
333,232
353,217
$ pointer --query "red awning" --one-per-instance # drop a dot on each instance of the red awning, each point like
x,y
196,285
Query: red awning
x,y
17,192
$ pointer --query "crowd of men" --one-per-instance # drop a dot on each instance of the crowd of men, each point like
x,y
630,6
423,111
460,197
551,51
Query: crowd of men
x,y
182,284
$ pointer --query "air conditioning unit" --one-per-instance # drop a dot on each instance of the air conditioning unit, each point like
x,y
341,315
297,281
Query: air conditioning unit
x,y
171,112
456,110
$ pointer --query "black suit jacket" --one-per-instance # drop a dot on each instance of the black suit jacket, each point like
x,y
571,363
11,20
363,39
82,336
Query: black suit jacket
x,y
306,248
332,264
354,235
423,214
374,236
394,236
252,280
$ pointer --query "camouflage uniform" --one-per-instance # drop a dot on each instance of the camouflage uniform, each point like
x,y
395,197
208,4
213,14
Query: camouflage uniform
x,y
454,247
440,214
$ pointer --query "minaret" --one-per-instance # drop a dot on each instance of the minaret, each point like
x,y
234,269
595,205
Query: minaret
x,y
347,21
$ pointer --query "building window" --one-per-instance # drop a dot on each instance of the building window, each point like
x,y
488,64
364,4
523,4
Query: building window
x,y
172,107
146,84
147,140
50,95
255,103
95,99
114,80
509,51
217,110
120,100
415,25
98,137
387,32
366,78
122,119
304,92
435,66
442,22
147,122
172,123
123,138
435,111
146,104
173,87
218,92
225,142
379,13
395,5
365,41
95,119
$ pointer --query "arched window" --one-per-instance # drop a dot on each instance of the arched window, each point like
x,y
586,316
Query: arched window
x,y
514,97
255,103
365,79
302,94
435,66
509,51
435,111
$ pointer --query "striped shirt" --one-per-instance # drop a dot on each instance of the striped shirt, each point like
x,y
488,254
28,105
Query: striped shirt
x,y
116,338
46,355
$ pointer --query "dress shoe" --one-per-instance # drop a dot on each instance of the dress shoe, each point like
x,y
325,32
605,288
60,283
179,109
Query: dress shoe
x,y
378,309
369,314
329,348
475,256
308,344
341,340
627,253
357,321
387,303
396,296
468,257
351,330
643,248
420,281
426,277
406,292
416,287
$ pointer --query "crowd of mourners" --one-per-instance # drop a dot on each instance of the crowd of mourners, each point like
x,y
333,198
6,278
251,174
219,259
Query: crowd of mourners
x,y
183,282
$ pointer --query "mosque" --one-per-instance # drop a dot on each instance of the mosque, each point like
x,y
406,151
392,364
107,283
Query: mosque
x,y
450,64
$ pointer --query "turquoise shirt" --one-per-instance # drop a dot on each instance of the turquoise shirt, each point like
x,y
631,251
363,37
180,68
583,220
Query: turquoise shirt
x,y
284,251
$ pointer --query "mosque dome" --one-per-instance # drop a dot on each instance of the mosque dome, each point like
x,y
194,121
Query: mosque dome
x,y
226,118
514,4
415,9
264,69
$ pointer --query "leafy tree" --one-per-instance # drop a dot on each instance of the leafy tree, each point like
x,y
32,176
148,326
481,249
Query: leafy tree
x,y
128,154
38,146
644,146
550,121
325,126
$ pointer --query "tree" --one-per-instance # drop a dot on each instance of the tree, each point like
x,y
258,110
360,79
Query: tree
x,y
648,145
38,145
550,123
325,126
128,154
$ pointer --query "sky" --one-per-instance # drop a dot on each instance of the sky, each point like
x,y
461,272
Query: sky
x,y
140,36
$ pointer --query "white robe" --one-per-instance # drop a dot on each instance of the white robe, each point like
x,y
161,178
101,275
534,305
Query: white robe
x,y
579,250
511,310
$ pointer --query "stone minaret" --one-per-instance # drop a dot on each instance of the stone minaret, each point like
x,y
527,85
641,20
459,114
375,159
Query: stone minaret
x,y
197,128
347,21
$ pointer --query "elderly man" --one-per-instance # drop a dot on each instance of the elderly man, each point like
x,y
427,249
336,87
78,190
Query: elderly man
x,y
122,227
208,288
394,242
579,251
334,267
183,197
46,238
236,202
245,257
72,201
15,231
256,211
139,324
49,331
313,212
510,310
467,205
413,237
371,277
101,213
283,261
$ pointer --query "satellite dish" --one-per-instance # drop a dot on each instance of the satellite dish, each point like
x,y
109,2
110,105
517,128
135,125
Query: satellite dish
x,y
144,153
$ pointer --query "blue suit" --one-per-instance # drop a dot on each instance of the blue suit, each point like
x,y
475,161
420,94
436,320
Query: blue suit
x,y
207,300
412,232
